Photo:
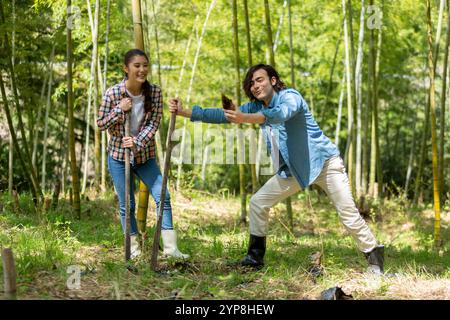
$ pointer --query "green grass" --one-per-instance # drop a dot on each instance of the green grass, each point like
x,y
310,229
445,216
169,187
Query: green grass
x,y
46,243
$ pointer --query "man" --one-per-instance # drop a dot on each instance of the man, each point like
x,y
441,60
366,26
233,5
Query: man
x,y
306,156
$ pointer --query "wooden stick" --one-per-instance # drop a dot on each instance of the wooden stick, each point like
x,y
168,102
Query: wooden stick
x,y
9,273
154,259
127,191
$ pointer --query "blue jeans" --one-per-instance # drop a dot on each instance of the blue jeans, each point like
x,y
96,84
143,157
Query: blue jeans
x,y
150,174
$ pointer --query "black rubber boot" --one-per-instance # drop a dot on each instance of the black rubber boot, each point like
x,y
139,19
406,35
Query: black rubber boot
x,y
255,253
375,258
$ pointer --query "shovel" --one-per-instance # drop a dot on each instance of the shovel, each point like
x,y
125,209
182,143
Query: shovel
x,y
127,191
169,146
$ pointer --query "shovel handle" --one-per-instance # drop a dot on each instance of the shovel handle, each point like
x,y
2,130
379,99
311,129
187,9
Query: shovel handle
x,y
127,191
156,238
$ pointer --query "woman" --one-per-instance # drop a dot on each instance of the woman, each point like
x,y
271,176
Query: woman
x,y
144,103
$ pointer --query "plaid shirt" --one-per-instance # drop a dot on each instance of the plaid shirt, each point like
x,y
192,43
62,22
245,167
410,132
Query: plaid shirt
x,y
112,117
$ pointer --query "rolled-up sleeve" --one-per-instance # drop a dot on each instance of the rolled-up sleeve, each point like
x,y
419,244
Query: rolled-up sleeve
x,y
214,115
208,115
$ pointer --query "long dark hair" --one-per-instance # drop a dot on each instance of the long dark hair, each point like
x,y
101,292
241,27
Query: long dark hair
x,y
146,87
271,72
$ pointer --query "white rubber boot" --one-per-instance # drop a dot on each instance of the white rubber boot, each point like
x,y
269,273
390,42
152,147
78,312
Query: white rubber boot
x,y
134,247
169,238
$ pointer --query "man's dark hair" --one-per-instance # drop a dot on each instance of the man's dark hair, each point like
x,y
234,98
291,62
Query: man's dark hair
x,y
271,72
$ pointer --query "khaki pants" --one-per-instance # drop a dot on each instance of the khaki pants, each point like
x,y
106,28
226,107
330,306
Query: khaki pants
x,y
334,181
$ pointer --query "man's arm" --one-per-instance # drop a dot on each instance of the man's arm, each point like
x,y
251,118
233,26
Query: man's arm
x,y
237,116
289,105
217,115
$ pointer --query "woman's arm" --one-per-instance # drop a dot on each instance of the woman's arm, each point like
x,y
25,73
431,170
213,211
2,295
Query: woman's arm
x,y
108,115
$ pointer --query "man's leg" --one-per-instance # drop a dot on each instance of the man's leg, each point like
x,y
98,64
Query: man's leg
x,y
272,192
334,181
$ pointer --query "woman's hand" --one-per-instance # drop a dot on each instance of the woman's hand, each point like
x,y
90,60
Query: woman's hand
x,y
128,142
235,116
125,104
176,106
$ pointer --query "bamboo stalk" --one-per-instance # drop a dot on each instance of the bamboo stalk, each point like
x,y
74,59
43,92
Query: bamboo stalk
x,y
442,113
9,274
241,143
188,96
70,99
255,183
269,33
437,210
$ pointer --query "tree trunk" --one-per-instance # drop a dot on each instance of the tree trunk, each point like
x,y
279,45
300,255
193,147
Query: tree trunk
x,y
47,109
437,209
26,156
88,113
241,142
9,274
73,160
349,86
425,133
411,154
105,86
38,122
277,35
11,143
375,162
339,116
269,33
31,181
291,46
194,67
155,24
442,111
358,84
352,146
137,23
323,110
98,136
180,79
160,135
255,183
141,215
10,165
292,67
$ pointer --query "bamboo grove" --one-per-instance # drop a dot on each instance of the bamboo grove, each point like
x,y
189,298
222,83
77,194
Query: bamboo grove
x,y
374,73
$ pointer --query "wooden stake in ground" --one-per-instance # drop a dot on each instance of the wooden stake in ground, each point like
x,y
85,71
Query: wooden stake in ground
x,y
9,273
127,191
169,146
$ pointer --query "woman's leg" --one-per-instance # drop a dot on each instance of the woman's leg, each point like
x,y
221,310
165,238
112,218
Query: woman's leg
x,y
117,172
150,174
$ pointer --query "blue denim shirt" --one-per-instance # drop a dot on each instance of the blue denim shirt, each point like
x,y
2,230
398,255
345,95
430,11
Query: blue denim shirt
x,y
304,148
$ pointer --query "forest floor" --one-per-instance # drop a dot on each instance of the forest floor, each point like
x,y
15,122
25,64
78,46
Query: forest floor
x,y
46,244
